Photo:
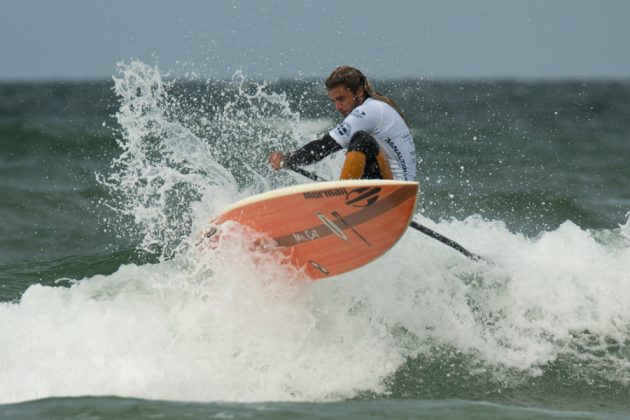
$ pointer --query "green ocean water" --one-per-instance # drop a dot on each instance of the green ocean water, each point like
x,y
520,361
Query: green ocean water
x,y
107,312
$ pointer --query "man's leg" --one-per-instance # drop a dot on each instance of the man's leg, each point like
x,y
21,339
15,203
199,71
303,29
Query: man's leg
x,y
365,159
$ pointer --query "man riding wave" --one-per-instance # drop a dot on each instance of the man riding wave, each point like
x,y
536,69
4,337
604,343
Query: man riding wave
x,y
374,133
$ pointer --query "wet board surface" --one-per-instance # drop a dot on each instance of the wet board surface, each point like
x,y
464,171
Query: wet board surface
x,y
329,228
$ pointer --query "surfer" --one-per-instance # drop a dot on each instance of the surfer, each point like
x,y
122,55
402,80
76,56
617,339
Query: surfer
x,y
374,133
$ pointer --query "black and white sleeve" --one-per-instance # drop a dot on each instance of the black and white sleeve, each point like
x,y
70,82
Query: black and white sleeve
x,y
312,152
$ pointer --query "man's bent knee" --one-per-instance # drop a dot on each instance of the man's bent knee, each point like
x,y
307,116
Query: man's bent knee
x,y
364,143
365,159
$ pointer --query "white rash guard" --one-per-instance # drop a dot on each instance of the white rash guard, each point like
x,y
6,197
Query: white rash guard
x,y
382,122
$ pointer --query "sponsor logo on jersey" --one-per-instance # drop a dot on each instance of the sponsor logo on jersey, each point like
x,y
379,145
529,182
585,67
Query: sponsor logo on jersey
x,y
357,113
398,153
344,129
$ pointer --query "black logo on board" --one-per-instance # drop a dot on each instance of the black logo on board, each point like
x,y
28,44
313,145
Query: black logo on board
x,y
325,194
362,197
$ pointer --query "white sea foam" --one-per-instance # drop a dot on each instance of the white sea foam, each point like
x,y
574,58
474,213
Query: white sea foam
x,y
236,325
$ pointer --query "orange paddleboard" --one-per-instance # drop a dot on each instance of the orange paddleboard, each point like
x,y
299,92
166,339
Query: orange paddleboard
x,y
329,228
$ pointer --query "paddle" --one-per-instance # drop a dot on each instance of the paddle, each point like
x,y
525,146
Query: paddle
x,y
413,224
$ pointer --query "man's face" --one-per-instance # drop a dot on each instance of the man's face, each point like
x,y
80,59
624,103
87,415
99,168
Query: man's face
x,y
345,101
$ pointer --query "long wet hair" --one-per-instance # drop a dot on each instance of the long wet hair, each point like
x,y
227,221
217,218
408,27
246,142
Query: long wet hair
x,y
352,79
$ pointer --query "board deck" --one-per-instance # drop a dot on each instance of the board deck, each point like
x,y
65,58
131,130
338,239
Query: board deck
x,y
329,228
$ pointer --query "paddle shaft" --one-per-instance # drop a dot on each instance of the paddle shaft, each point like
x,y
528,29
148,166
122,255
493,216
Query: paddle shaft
x,y
417,226
307,174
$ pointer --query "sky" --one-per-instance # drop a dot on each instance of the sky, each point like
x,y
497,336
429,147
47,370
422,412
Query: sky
x,y
271,39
